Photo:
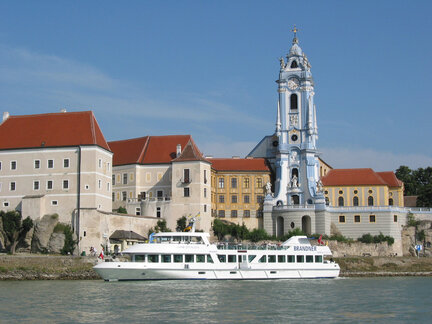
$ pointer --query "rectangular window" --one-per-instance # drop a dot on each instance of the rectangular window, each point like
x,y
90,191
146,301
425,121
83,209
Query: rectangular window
x,y
259,183
300,258
108,186
0,186
272,258
65,184
372,219
178,258
233,182
356,218
234,199
113,196
221,213
37,164
50,164
205,176
131,177
246,213
341,219
209,258
246,199
12,186
291,259
113,179
221,183
54,202
222,258
200,258
246,183
221,199
36,185
5,203
231,258
395,218
108,166
13,165
99,184
186,175
139,258
281,259
189,258
205,192
234,213
260,199
100,163
124,195
65,163
0,165
205,208
263,259
125,178
309,258
186,192
318,259
153,258
49,185
166,258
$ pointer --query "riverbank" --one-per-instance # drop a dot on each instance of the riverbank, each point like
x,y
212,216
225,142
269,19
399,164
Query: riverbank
x,y
53,267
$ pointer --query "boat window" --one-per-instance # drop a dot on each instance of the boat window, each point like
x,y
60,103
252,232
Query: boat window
x,y
239,258
231,258
178,258
251,257
222,257
166,258
209,258
300,258
281,258
200,258
263,259
195,239
272,258
165,239
153,258
189,258
309,258
177,238
291,258
139,258
318,258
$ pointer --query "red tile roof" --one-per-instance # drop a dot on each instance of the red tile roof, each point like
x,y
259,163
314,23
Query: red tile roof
x,y
359,177
149,149
51,130
257,164
390,178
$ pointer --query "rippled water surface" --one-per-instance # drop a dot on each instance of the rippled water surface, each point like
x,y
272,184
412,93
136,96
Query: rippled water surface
x,y
363,300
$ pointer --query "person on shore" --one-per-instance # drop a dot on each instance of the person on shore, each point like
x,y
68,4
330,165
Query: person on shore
x,y
101,255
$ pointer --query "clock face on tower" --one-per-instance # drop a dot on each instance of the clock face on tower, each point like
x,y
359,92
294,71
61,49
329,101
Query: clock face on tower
x,y
293,84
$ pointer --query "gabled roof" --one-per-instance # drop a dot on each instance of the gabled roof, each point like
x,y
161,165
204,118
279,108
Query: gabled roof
x,y
234,164
149,149
122,235
51,130
359,177
190,153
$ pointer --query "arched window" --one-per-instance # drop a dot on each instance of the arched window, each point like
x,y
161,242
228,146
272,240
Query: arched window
x,y
327,201
294,64
294,172
294,101
355,201
390,201
340,201
296,199
370,201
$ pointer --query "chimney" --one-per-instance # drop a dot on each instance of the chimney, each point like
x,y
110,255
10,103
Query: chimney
x,y
5,115
178,150
236,157
63,110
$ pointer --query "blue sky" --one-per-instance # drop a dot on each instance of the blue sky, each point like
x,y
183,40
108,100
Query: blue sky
x,y
207,68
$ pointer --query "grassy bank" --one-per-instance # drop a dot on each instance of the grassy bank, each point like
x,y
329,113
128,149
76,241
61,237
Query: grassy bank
x,y
49,267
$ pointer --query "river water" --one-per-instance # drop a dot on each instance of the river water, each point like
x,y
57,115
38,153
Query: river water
x,y
353,300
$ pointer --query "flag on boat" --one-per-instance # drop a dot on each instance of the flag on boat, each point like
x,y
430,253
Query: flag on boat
x,y
320,241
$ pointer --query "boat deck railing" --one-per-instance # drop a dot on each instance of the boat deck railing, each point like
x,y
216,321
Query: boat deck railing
x,y
233,246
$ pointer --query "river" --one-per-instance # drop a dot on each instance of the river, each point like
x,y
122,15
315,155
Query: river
x,y
354,300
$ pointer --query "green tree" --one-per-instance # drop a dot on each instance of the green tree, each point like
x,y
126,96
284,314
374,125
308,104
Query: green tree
x,y
405,174
121,210
15,228
161,226
181,224
70,243
220,229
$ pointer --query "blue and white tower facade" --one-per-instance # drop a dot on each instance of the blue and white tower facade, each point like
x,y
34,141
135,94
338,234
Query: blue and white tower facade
x,y
296,163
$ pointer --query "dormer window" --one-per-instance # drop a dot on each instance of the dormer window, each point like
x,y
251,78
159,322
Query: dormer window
x,y
294,64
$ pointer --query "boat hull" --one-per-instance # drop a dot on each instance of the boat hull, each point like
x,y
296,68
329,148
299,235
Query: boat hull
x,y
114,272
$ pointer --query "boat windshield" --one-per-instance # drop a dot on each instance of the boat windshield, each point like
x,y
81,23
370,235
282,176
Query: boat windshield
x,y
179,239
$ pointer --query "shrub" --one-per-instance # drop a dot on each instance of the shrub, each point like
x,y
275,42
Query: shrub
x,y
70,243
160,227
121,210
181,224
257,235
368,238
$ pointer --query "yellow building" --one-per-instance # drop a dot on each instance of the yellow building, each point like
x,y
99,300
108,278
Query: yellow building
x,y
238,189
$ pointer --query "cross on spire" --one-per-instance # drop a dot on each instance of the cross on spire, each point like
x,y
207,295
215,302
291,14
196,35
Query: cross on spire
x,y
295,30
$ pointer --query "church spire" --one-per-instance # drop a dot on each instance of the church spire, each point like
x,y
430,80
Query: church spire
x,y
295,39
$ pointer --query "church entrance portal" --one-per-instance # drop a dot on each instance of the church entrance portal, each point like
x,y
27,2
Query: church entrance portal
x,y
280,226
306,225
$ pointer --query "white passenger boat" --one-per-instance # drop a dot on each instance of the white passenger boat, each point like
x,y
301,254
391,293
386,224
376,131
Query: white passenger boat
x,y
190,255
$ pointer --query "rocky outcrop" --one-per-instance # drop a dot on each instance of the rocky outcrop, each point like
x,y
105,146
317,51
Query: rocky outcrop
x,y
334,230
341,249
25,244
56,242
43,229
408,242
3,238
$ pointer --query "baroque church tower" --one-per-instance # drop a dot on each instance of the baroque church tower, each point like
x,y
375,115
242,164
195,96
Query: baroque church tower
x,y
296,163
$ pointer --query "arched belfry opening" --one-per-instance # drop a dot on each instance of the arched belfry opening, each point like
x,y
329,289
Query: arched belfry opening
x,y
294,64
294,101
